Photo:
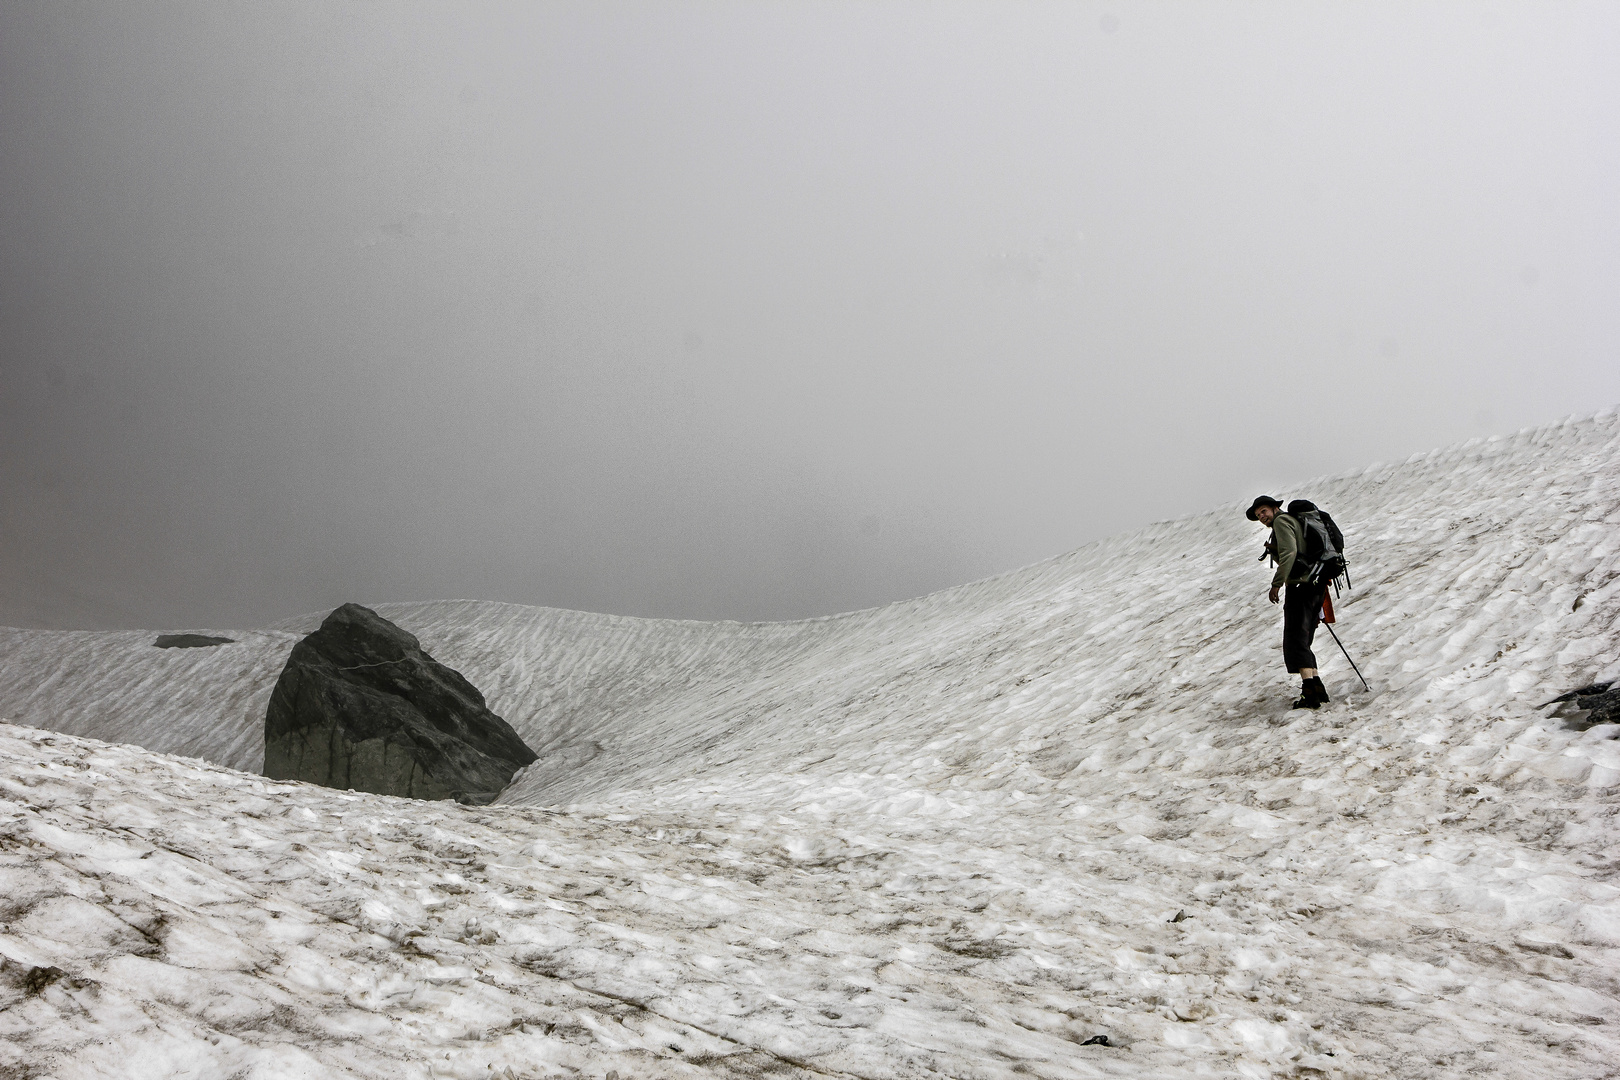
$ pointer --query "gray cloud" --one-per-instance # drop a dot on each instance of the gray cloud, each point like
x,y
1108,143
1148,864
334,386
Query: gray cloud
x,y
755,311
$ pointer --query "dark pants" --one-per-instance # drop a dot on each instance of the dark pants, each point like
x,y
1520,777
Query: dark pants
x,y
1302,610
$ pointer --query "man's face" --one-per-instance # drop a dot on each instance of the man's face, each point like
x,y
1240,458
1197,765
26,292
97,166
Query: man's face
x,y
1264,514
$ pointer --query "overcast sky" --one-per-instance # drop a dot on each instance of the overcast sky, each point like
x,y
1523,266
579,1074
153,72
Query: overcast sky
x,y
757,310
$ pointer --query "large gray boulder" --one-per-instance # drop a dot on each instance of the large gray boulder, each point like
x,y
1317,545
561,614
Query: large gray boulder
x,y
360,705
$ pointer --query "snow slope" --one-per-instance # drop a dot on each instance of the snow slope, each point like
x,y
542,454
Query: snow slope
x,y
955,836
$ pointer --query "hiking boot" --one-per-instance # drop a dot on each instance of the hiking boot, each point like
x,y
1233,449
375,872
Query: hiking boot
x,y
1312,694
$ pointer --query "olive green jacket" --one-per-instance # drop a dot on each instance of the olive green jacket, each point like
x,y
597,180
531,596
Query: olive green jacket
x,y
1289,537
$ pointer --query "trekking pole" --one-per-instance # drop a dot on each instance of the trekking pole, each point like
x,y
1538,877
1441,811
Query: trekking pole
x,y
1346,652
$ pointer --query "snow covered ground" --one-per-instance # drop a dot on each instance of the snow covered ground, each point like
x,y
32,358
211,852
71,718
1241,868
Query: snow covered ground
x,y
958,836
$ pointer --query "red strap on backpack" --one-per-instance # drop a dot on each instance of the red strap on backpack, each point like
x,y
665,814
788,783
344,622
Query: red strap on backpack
x,y
1327,607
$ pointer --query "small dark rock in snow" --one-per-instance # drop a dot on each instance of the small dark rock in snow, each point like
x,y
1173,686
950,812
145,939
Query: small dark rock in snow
x,y
1181,916
1585,691
1601,701
360,705
1096,1040
190,641
1602,708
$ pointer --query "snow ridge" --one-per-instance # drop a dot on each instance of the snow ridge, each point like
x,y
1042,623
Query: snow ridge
x,y
954,836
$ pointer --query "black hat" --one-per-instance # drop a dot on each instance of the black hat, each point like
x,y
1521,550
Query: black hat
x,y
1259,501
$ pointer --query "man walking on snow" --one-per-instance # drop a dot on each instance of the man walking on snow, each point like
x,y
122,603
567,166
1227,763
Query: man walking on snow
x,y
1302,610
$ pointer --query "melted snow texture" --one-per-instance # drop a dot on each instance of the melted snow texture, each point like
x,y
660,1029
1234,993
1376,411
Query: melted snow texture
x,y
118,687
951,837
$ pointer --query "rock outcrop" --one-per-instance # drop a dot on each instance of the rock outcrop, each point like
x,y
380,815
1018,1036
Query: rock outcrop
x,y
360,705
1600,703
190,641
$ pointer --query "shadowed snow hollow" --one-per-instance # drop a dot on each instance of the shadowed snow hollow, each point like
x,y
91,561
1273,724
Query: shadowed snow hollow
x,y
955,836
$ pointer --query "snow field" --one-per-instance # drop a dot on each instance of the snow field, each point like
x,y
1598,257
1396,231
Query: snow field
x,y
955,836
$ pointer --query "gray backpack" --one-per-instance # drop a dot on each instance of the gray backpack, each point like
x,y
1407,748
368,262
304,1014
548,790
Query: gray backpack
x,y
1324,543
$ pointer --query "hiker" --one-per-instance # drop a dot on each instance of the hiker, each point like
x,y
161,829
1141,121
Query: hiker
x,y
1302,609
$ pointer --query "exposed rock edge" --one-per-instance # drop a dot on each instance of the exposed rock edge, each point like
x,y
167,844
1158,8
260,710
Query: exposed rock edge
x,y
191,641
